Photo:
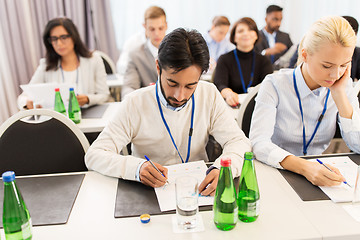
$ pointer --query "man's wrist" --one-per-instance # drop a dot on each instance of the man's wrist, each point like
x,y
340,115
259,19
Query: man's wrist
x,y
210,169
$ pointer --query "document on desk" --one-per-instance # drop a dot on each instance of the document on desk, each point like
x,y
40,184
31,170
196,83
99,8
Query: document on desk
x,y
342,192
44,93
166,194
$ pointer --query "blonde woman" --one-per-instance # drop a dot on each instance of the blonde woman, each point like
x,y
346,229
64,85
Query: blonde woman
x,y
297,110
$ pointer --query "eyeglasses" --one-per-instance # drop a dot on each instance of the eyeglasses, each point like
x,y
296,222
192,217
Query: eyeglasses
x,y
63,39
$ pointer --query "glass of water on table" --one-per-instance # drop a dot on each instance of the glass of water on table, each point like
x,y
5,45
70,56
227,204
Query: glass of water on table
x,y
187,207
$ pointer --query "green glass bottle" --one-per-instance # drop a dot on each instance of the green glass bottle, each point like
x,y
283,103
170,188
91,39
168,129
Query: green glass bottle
x,y
59,104
225,208
74,109
248,195
16,217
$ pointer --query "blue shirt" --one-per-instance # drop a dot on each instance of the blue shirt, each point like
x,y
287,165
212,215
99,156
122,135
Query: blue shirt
x,y
216,49
276,127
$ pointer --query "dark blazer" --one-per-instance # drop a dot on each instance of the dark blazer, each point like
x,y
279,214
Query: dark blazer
x,y
355,64
281,37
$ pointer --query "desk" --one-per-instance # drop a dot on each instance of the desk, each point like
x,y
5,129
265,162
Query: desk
x,y
92,125
115,82
92,216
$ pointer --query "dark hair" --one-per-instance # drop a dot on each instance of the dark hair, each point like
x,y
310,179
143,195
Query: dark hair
x,y
354,24
251,24
220,21
181,49
52,58
273,8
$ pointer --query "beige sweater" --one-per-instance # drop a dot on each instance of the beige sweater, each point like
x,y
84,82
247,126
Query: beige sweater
x,y
138,121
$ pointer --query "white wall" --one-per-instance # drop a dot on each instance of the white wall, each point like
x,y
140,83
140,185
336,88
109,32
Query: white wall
x,y
298,15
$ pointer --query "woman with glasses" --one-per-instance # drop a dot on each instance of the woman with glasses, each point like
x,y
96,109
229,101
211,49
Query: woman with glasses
x,y
242,67
68,60
297,110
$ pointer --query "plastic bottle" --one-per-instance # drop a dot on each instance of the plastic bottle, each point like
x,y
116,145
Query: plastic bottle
x,y
225,208
16,217
248,199
74,109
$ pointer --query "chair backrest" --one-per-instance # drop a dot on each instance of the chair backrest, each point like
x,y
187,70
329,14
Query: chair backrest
x,y
108,63
53,145
246,110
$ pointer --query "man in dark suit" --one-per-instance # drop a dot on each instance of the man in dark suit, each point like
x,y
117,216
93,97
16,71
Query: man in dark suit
x,y
273,42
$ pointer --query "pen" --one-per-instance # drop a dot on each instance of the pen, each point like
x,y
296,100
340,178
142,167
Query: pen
x,y
148,159
330,170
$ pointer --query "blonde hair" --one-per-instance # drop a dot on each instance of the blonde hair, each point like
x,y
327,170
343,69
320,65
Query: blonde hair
x,y
332,29
154,12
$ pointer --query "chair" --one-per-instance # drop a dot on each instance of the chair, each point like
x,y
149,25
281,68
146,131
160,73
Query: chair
x,y
108,63
246,110
53,145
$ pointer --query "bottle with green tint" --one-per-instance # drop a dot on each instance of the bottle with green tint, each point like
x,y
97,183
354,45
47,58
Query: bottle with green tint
x,y
59,104
225,208
74,109
248,198
16,217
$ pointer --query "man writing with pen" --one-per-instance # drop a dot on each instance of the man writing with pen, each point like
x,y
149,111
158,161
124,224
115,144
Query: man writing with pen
x,y
170,122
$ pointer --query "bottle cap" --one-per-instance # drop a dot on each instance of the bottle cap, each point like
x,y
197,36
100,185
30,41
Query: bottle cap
x,y
225,162
145,218
71,89
249,156
57,89
8,176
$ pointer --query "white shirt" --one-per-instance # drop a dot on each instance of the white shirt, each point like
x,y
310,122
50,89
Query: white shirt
x,y
276,127
271,38
138,121
154,50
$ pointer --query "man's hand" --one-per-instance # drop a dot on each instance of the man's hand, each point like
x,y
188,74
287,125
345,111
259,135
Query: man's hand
x,y
208,186
82,99
278,48
149,176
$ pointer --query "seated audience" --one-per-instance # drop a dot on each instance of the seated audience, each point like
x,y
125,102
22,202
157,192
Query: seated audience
x,y
68,60
297,110
163,122
141,68
242,67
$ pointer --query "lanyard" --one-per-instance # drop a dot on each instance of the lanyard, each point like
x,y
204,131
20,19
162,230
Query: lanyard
x,y
306,145
240,72
168,129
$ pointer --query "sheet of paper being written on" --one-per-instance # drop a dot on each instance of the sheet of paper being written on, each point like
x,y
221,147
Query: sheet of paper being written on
x,y
166,194
342,192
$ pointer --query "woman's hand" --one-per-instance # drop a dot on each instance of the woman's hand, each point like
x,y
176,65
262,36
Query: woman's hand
x,y
82,99
230,97
340,84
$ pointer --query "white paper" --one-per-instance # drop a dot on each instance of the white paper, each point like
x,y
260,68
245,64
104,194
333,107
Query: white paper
x,y
44,93
342,192
166,194
242,97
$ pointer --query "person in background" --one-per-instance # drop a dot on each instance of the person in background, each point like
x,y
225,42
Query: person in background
x,y
355,62
297,110
130,44
141,68
217,41
68,60
273,43
242,67
171,121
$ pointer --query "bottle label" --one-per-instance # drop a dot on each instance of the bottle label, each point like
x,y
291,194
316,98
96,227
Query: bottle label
x,y
26,229
253,208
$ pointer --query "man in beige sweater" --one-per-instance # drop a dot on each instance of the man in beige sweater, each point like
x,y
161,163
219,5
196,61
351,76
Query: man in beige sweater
x,y
171,121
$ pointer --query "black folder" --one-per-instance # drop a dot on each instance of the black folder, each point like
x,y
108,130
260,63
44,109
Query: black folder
x,y
49,199
306,190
